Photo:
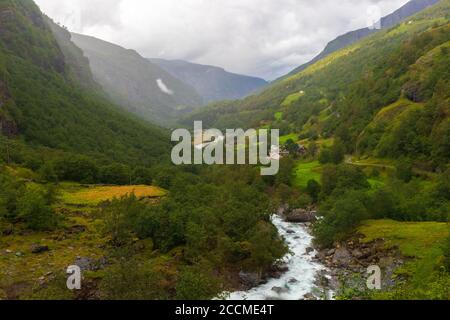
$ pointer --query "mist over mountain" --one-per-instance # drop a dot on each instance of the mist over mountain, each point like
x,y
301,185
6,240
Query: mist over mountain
x,y
135,83
409,9
212,83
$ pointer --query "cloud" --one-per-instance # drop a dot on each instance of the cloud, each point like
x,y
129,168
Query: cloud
x,y
266,38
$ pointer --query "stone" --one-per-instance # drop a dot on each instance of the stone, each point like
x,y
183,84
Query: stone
x,y
309,250
300,216
293,281
330,252
280,290
85,264
36,248
341,257
250,279
309,296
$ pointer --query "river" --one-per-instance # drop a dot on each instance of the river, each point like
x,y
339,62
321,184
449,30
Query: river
x,y
303,270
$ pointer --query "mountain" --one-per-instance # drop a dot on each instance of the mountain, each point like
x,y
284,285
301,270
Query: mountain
x,y
212,83
409,9
343,94
43,103
135,83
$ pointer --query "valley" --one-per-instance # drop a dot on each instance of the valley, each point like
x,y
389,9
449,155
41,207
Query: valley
x,y
87,179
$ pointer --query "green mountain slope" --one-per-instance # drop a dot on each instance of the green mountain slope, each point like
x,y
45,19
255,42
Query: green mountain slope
x,y
409,9
43,104
137,84
341,94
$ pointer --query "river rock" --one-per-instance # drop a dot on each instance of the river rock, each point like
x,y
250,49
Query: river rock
x,y
309,250
280,290
250,279
341,257
300,216
309,296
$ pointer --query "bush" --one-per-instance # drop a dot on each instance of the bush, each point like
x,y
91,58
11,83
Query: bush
x,y
130,279
342,177
115,174
405,171
119,217
341,215
78,169
335,154
313,188
195,283
142,175
34,207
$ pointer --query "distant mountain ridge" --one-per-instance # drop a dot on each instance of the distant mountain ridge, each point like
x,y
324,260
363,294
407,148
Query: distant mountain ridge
x,y
408,10
135,83
212,83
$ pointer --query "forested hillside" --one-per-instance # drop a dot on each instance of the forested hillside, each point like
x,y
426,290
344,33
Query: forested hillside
x,y
83,182
44,104
342,94
136,84
367,130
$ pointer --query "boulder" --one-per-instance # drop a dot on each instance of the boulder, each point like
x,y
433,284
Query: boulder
x,y
341,257
250,279
37,248
300,216
309,250
309,296
85,264
279,290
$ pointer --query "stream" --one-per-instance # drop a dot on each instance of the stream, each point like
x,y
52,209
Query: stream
x,y
299,280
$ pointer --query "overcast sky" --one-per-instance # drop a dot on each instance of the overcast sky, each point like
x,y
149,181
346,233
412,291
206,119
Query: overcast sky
x,y
265,38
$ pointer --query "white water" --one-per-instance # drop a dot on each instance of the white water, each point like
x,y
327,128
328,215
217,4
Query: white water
x,y
300,278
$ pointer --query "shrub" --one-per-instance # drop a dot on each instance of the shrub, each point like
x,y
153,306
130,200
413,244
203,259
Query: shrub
x,y
34,207
341,215
313,188
195,283
115,174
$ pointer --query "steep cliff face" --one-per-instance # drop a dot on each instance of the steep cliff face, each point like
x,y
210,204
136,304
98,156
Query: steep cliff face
x,y
24,32
77,63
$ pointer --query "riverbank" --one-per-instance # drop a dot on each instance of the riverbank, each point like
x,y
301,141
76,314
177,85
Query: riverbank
x,y
298,272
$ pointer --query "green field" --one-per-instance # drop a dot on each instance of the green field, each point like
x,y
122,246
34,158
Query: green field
x,y
292,136
305,171
422,242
